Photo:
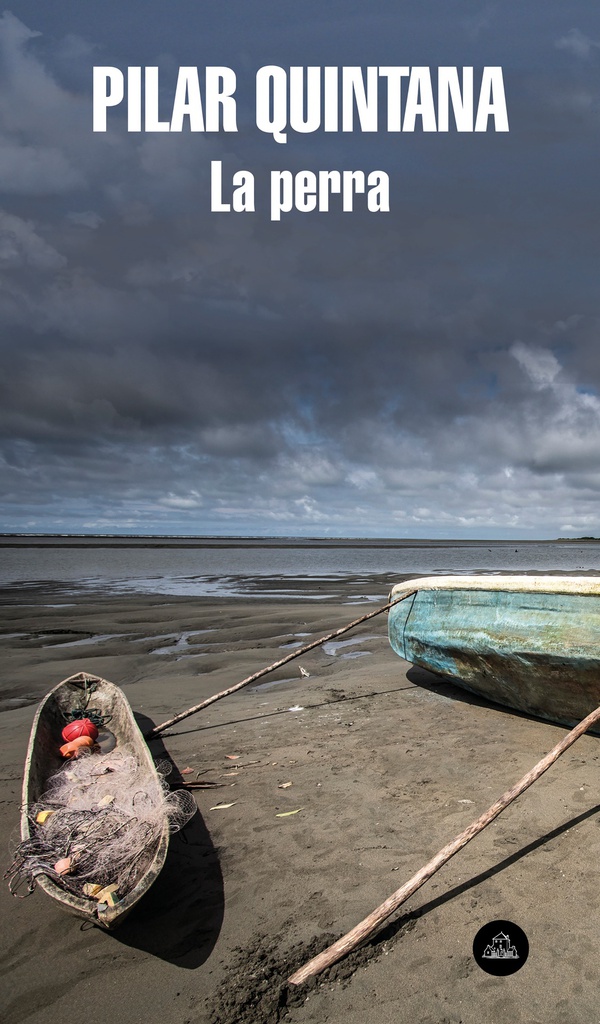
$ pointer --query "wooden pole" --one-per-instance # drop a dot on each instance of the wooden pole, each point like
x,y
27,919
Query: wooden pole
x,y
370,924
276,664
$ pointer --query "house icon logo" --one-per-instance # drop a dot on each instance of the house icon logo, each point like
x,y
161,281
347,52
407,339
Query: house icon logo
x,y
500,947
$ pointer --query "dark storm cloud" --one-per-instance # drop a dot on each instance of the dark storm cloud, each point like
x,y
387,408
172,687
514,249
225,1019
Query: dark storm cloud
x,y
431,371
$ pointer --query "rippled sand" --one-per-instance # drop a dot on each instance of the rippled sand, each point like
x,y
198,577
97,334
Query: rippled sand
x,y
386,764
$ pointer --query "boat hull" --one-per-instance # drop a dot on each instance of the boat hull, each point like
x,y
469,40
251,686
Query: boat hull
x,y
43,760
531,643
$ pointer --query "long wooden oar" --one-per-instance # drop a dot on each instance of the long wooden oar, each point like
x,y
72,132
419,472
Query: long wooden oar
x,y
362,931
276,664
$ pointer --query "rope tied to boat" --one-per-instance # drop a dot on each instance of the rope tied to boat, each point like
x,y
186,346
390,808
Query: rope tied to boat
x,y
94,716
84,711
157,729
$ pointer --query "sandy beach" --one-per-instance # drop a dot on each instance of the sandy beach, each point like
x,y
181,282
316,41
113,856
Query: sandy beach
x,y
386,764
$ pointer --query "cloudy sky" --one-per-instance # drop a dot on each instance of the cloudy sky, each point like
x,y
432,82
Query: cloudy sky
x,y
433,371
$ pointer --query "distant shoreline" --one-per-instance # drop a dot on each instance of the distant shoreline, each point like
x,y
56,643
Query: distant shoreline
x,y
162,541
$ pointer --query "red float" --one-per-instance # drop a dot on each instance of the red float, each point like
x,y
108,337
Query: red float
x,y
80,727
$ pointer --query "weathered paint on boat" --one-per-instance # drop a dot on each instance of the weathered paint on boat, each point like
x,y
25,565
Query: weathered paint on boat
x,y
529,642
43,760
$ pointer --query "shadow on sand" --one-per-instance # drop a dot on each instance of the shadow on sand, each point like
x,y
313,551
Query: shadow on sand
x,y
180,917
446,688
405,921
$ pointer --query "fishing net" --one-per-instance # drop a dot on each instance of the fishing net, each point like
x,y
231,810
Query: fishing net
x,y
107,818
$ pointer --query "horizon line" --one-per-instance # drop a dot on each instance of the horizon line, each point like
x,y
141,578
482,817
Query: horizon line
x,y
281,537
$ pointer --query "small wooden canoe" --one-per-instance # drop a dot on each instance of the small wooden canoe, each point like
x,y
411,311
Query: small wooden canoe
x,y
531,643
44,760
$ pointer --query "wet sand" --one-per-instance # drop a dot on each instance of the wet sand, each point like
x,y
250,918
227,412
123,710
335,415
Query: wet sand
x,y
386,764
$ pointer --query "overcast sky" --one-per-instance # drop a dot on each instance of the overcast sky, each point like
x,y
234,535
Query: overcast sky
x,y
433,371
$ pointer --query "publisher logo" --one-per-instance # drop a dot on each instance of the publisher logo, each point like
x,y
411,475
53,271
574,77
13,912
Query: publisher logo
x,y
500,947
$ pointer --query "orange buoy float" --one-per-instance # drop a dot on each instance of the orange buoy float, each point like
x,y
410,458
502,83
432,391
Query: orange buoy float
x,y
77,746
79,727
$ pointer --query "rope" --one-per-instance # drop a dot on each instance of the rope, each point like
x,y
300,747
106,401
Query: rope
x,y
95,716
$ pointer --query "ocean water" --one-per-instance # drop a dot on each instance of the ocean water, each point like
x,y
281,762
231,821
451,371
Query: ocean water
x,y
256,568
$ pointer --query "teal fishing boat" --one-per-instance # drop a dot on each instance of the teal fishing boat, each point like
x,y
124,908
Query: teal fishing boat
x,y
531,643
